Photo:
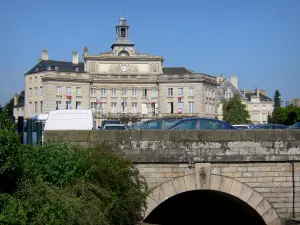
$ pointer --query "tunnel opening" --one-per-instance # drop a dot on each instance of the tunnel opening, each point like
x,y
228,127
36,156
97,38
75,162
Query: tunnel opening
x,y
204,207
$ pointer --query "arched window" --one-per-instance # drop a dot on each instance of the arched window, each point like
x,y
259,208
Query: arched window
x,y
123,32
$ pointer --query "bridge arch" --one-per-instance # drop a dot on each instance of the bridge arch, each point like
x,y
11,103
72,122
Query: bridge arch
x,y
217,183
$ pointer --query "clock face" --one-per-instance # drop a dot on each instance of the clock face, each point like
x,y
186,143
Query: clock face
x,y
123,68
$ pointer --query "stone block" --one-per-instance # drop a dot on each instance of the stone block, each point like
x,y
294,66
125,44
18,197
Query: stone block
x,y
270,135
155,135
109,136
295,135
215,182
255,199
190,182
168,189
236,188
246,193
68,136
179,185
263,207
186,136
225,185
159,195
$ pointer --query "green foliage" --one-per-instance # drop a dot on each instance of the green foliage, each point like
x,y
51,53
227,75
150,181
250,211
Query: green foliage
x,y
59,183
235,112
286,115
9,108
277,99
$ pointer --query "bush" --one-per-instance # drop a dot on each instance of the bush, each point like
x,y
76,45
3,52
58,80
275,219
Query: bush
x,y
59,183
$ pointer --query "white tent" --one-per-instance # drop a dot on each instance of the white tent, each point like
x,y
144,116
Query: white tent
x,y
70,120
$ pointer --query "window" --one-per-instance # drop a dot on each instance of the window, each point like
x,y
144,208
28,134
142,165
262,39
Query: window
x,y
68,105
153,125
35,79
180,106
41,106
35,107
144,108
30,108
103,91
134,92
78,91
113,107
144,92
76,69
93,92
170,107
123,91
187,125
191,107
56,68
30,80
41,91
113,92
155,92
180,91
35,91
228,94
134,107
58,105
93,105
170,92
191,92
206,92
58,90
212,93
68,90
103,107
30,92
123,32
78,105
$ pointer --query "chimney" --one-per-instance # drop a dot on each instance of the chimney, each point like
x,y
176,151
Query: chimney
x,y
85,51
234,81
75,57
16,98
44,55
257,92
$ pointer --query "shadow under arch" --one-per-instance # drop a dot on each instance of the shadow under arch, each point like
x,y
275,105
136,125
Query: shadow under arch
x,y
204,207
230,190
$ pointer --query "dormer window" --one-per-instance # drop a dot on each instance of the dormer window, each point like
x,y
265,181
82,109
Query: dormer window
x,y
55,67
123,53
76,68
37,69
49,68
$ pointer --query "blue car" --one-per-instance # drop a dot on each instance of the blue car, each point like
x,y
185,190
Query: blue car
x,y
294,126
269,126
199,124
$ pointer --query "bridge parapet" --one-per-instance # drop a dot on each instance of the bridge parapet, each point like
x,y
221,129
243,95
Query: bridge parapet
x,y
192,146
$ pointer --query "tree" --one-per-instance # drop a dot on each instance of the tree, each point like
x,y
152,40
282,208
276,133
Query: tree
x,y
9,107
60,183
277,99
235,112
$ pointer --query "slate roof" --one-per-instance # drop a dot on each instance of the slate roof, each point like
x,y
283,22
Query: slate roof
x,y
63,66
262,97
21,101
176,71
223,88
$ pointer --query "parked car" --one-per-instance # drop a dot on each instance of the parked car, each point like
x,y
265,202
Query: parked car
x,y
104,122
242,126
269,126
156,124
294,126
114,127
199,124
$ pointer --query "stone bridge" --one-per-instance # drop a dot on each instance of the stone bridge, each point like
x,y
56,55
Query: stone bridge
x,y
223,177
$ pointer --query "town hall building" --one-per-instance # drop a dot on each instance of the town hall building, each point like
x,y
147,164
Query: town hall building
x,y
122,83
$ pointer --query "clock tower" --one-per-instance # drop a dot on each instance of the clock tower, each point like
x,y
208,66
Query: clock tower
x,y
122,46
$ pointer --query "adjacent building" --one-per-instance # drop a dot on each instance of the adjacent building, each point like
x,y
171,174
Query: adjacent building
x,y
122,83
19,105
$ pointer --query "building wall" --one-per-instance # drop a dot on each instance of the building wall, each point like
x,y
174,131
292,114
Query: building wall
x,y
33,99
259,111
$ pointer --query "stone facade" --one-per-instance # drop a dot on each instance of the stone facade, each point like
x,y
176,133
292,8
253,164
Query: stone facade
x,y
120,83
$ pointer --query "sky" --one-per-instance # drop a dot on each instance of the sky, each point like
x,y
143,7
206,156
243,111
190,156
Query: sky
x,y
256,40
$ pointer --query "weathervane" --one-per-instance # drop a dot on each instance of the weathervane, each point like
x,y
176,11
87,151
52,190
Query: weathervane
x,y
122,15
